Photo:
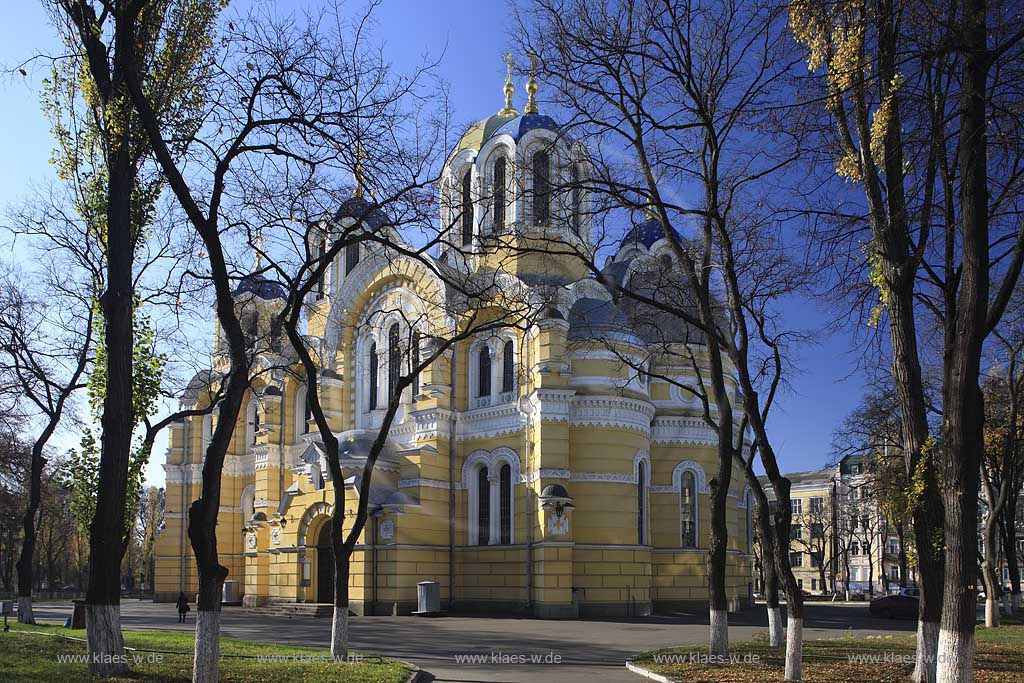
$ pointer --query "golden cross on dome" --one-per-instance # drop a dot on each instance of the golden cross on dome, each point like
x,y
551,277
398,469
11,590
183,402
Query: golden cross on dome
x,y
510,89
531,88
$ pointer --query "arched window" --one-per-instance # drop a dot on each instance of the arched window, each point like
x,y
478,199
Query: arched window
x,y
641,503
483,507
541,187
750,520
394,361
577,193
500,166
688,510
302,410
372,403
508,367
248,502
252,419
483,375
321,282
505,496
207,434
414,362
466,206
351,256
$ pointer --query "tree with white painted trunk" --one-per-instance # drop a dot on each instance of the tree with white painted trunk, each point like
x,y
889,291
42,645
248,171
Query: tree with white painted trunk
x,y
909,90
45,351
691,128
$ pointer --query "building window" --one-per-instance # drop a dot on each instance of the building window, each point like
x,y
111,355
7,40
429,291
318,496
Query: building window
x,y
351,256
467,208
483,507
817,505
641,512
817,531
500,166
483,375
796,559
814,584
749,500
688,509
577,193
508,367
321,282
303,411
372,404
505,498
207,435
394,361
855,548
796,506
796,532
253,422
541,188
414,363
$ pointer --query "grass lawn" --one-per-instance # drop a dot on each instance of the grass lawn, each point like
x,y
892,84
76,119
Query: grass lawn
x,y
1000,659
29,658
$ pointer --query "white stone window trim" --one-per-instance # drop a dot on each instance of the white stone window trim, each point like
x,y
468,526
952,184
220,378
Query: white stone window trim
x,y
700,487
644,488
493,461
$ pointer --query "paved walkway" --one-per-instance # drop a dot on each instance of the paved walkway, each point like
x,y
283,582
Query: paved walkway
x,y
583,651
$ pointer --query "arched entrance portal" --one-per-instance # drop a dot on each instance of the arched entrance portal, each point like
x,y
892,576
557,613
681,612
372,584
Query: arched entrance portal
x,y
324,565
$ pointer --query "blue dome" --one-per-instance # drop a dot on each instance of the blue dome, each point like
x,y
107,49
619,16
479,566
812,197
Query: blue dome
x,y
515,126
259,286
359,209
646,233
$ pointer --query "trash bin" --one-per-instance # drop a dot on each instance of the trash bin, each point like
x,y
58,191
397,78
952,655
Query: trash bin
x,y
428,597
78,614
230,594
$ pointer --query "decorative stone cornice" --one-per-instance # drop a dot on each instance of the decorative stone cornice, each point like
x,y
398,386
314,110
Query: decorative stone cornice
x,y
616,412
183,474
486,423
677,429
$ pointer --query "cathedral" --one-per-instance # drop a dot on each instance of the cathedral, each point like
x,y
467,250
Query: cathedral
x,y
529,471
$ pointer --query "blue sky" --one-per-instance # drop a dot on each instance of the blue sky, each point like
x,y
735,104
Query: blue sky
x,y
470,36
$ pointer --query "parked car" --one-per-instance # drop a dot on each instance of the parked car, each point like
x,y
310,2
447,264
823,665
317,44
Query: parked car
x,y
900,606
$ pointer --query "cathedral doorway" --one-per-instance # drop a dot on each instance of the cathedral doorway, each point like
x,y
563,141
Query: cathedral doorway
x,y
324,565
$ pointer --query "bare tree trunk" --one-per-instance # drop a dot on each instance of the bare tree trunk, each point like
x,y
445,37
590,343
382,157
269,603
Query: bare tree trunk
x,y
717,552
28,541
963,412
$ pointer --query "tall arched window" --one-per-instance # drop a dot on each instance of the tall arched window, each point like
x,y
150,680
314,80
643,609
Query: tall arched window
x,y
483,507
414,362
500,166
351,256
508,367
321,282
505,496
253,422
577,193
541,187
749,500
394,361
641,503
483,375
207,434
302,411
372,403
466,205
688,510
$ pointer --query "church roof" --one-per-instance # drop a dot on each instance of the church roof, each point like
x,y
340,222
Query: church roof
x,y
261,287
359,209
515,125
646,233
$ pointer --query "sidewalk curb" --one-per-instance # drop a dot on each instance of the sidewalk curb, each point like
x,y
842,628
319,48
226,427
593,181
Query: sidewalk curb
x,y
416,674
647,673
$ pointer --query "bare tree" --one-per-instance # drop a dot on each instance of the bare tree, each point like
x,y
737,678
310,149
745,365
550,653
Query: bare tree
x,y
683,87
45,347
905,92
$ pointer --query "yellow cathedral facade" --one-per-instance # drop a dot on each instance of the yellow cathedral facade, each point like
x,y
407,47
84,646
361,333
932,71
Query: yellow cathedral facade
x,y
527,470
